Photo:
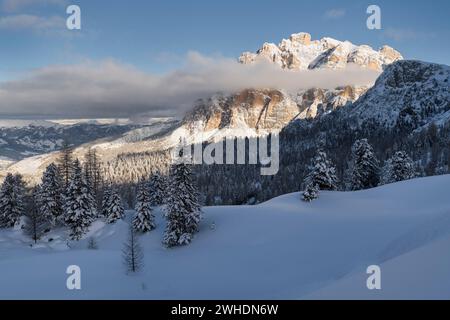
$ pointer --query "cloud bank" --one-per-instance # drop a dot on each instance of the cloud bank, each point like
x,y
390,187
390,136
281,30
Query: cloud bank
x,y
113,89
27,21
16,5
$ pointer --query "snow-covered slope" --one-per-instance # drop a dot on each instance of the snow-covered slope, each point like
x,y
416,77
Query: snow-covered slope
x,y
412,270
408,93
282,249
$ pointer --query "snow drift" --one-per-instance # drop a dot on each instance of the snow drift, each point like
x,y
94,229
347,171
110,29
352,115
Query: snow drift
x,y
282,249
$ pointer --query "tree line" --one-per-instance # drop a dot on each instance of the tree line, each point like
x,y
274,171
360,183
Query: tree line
x,y
364,172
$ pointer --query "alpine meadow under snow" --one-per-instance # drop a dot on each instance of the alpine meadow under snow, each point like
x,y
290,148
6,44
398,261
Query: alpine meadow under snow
x,y
282,249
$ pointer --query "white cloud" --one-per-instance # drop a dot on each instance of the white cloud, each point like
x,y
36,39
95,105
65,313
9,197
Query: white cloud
x,y
112,89
31,22
399,34
16,5
335,13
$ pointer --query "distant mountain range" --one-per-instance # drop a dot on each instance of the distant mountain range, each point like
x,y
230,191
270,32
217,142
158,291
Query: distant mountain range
x,y
20,138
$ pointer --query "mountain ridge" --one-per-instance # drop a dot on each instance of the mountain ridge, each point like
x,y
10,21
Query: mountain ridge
x,y
300,52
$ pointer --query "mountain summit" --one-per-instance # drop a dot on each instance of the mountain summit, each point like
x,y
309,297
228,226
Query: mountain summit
x,y
299,52
263,110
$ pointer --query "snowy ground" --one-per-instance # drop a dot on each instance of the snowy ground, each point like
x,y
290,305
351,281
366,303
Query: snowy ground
x,y
283,249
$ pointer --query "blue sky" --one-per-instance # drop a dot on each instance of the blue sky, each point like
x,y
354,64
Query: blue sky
x,y
153,35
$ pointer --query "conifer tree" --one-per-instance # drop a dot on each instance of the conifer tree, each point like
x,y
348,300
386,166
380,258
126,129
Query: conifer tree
x,y
92,173
157,189
114,210
36,223
398,168
65,163
183,210
50,195
132,253
12,194
311,193
79,212
365,167
144,221
322,173
107,192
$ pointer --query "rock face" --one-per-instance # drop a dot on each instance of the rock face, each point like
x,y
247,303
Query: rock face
x,y
299,52
261,110
254,111
316,102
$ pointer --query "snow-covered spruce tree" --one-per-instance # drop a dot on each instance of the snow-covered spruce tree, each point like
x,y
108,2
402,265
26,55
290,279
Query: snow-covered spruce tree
x,y
12,193
50,195
398,168
144,221
322,173
65,163
133,256
311,193
107,191
92,172
183,210
114,210
89,186
79,212
364,166
157,189
36,222
20,191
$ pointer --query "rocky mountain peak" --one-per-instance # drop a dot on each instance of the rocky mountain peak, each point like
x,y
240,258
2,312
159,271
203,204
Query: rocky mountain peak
x,y
300,52
263,110
302,38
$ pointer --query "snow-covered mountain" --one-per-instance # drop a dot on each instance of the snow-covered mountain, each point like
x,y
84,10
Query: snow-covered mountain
x,y
250,112
259,111
409,93
299,52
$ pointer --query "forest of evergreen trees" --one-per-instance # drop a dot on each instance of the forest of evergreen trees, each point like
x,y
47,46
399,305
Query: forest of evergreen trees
x,y
428,148
73,194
